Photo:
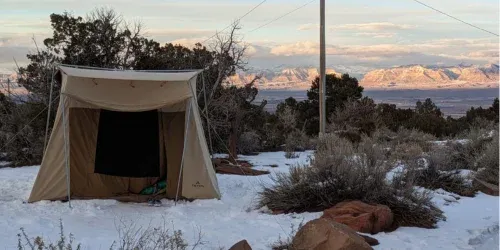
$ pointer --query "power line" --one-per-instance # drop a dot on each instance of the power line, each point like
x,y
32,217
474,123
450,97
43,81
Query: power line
x,y
246,14
286,14
470,24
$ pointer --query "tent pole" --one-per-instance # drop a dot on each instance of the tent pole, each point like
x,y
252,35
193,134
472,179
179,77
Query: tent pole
x,y
186,126
48,112
66,150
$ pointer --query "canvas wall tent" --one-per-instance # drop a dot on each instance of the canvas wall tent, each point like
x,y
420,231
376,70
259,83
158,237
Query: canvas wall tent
x,y
117,132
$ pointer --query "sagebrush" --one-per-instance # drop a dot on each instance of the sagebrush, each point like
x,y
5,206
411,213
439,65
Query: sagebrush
x,y
341,171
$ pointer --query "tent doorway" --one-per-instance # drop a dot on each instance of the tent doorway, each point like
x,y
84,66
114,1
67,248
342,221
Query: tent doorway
x,y
128,144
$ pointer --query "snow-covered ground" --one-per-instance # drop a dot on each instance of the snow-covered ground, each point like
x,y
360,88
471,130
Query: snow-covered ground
x,y
472,223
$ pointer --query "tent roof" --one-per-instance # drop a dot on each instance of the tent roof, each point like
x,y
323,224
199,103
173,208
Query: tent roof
x,y
171,76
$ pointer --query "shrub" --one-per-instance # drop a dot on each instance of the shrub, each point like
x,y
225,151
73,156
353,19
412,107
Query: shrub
x,y
455,155
24,129
406,152
413,136
488,162
297,141
249,142
391,139
451,181
38,243
340,171
356,116
476,139
465,151
131,237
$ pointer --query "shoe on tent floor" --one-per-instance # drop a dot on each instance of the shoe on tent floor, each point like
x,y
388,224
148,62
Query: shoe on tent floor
x,y
118,132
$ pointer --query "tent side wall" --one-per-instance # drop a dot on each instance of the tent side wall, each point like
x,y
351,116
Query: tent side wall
x,y
50,183
199,179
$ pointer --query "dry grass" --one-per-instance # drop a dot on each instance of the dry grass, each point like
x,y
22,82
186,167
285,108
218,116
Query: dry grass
x,y
341,171
131,237
134,237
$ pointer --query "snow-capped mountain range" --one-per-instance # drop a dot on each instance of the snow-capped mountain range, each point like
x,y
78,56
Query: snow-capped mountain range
x,y
403,77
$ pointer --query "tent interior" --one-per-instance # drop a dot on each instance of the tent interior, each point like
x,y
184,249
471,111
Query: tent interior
x,y
124,153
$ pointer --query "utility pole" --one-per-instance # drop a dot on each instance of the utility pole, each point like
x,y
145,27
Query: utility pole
x,y
322,71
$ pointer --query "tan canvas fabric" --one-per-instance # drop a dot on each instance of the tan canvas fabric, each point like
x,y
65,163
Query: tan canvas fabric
x,y
173,127
197,182
82,101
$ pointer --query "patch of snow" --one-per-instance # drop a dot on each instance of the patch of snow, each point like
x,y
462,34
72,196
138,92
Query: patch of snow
x,y
483,236
395,172
443,143
229,220
466,173
478,213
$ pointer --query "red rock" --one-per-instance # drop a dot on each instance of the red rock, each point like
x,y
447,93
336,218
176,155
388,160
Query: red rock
x,y
241,245
323,234
485,187
360,216
236,170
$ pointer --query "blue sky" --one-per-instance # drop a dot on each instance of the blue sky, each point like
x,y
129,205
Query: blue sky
x,y
363,33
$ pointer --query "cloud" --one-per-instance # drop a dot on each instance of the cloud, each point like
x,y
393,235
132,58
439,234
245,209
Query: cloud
x,y
308,26
312,48
24,40
476,50
178,33
371,26
376,35
299,48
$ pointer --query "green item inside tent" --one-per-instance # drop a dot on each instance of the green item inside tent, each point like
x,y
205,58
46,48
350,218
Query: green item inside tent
x,y
155,188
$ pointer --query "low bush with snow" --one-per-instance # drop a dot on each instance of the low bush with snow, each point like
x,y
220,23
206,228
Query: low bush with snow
x,y
341,171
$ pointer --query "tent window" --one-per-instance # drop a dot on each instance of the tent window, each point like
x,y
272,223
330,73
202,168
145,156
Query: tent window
x,y
128,144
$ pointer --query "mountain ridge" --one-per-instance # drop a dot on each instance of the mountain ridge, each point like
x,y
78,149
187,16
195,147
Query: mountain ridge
x,y
401,77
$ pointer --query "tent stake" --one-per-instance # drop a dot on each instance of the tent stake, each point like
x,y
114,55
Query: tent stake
x,y
188,118
66,149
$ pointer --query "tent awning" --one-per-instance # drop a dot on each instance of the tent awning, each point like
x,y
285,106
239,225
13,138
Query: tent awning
x,y
125,90
173,76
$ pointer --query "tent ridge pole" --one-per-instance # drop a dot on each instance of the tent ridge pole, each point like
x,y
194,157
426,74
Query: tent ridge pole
x,y
186,128
66,149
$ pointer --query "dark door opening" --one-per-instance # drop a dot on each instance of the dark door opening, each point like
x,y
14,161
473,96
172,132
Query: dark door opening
x,y
128,144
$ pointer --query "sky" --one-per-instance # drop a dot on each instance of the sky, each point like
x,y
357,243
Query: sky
x,y
361,34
